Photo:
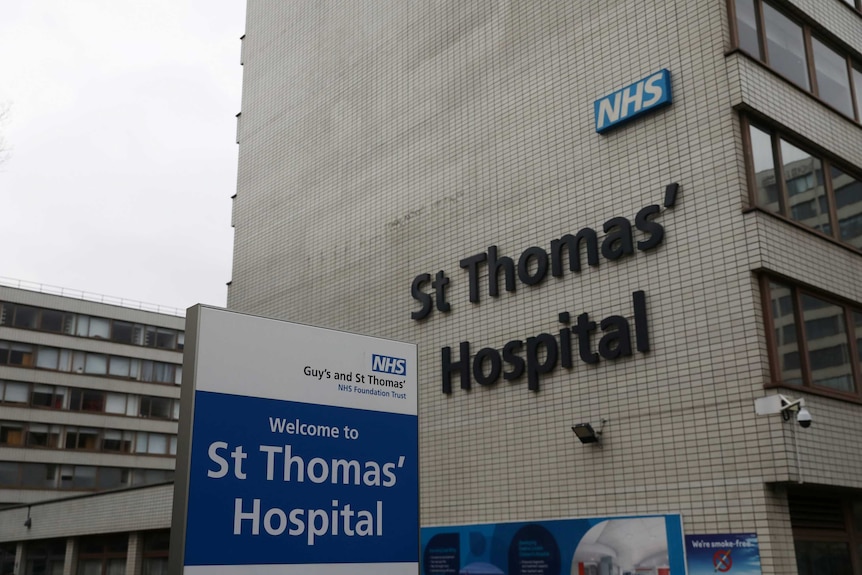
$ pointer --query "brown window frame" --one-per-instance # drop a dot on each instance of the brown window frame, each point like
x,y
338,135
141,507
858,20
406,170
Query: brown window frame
x,y
808,29
805,369
827,163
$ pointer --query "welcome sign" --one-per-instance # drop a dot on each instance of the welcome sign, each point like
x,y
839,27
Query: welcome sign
x,y
298,450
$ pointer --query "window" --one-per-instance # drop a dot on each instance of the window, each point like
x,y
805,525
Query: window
x,y
16,354
103,555
26,317
87,400
152,443
11,433
38,475
42,435
816,341
122,332
833,83
118,441
48,396
812,190
156,407
815,64
785,46
826,531
155,555
45,557
82,438
13,392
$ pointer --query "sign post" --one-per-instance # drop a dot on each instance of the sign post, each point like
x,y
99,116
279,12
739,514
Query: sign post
x,y
297,453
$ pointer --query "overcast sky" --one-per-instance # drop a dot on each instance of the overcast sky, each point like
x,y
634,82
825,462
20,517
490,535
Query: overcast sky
x,y
122,128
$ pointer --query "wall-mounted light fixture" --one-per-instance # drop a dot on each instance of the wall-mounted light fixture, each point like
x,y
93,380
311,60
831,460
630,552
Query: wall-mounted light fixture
x,y
586,433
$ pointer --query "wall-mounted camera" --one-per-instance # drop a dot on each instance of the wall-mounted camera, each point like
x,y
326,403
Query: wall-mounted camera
x,y
786,407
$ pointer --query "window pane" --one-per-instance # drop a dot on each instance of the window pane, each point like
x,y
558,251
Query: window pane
x,y
93,401
26,316
785,45
782,317
8,473
96,364
158,444
47,357
828,349
15,392
123,332
110,477
803,176
120,366
848,202
833,84
43,396
746,26
116,403
857,82
764,170
11,433
7,312
85,477
83,326
39,475
166,338
40,435
51,321
820,557
100,328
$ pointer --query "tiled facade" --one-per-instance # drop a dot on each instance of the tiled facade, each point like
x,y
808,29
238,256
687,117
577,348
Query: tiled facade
x,y
382,140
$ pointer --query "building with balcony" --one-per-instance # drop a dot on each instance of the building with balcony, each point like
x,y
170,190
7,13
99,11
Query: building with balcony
x,y
89,395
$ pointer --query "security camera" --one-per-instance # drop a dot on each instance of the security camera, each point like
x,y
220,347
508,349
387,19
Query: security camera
x,y
803,417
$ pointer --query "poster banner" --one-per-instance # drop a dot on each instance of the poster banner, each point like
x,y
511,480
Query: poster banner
x,y
299,452
732,553
638,545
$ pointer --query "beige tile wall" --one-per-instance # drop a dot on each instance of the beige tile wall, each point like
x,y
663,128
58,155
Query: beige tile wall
x,y
381,139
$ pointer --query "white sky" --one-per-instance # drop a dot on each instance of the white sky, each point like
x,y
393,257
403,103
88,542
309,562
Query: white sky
x,y
122,129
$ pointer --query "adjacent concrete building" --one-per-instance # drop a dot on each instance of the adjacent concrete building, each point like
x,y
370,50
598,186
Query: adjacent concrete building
x,y
432,172
89,395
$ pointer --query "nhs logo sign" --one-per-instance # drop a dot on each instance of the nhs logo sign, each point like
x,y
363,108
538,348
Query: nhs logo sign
x,y
386,364
642,97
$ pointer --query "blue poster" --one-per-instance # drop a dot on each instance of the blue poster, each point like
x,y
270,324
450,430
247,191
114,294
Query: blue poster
x,y
732,553
642,545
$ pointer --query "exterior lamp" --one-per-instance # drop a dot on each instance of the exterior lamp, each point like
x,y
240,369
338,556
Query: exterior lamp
x,y
586,433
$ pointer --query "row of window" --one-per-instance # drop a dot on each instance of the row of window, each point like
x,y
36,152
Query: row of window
x,y
97,555
789,180
816,342
25,434
802,56
14,474
854,4
18,393
68,323
71,361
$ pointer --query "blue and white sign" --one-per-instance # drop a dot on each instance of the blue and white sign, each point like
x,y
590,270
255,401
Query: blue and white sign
x,y
298,450
642,97
732,553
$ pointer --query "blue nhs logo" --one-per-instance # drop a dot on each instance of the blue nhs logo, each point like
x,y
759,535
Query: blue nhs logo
x,y
642,97
386,364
